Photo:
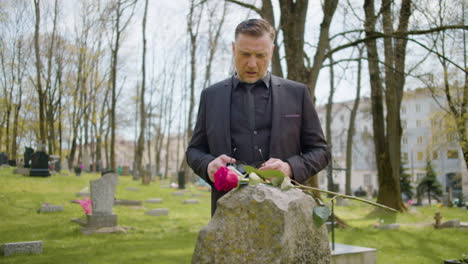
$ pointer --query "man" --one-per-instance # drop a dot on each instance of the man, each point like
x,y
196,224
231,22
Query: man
x,y
256,118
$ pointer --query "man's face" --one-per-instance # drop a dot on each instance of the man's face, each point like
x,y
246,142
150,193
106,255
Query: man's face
x,y
252,56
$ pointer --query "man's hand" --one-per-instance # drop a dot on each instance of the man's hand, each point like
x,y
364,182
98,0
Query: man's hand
x,y
215,164
277,164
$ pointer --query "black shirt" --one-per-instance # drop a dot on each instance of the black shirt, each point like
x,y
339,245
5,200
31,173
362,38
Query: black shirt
x,y
251,141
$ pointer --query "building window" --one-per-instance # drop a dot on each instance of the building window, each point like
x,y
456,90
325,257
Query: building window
x,y
452,154
451,137
435,155
420,156
404,140
434,123
404,156
342,118
420,140
403,109
418,123
367,179
403,124
418,108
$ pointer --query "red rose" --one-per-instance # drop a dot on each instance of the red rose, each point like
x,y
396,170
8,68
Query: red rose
x,y
225,179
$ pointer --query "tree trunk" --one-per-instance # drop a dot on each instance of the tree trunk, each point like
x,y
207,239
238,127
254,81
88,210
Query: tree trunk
x,y
351,127
328,128
141,137
40,92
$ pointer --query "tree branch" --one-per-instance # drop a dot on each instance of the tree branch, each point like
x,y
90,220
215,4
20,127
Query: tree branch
x,y
249,6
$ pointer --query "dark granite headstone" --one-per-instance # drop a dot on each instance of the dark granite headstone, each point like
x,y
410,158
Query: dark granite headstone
x,y
27,157
39,164
3,158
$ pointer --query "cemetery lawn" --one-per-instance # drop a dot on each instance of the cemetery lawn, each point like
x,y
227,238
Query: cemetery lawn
x,y
171,239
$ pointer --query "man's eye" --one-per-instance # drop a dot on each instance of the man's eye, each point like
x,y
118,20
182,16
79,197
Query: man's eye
x,y
261,55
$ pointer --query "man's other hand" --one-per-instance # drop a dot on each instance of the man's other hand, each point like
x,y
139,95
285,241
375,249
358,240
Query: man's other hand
x,y
217,163
277,164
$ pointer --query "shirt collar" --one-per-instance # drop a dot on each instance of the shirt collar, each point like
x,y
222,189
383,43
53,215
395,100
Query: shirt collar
x,y
266,80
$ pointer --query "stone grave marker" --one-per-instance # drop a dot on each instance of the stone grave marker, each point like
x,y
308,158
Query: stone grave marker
x,y
39,164
102,197
154,200
262,224
27,157
190,201
48,208
132,189
179,193
158,212
30,247
84,192
3,158
128,202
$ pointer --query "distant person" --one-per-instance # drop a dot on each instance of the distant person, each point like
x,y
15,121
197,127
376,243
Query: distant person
x,y
256,118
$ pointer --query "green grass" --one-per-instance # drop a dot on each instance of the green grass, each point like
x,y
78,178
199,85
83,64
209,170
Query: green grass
x,y
171,239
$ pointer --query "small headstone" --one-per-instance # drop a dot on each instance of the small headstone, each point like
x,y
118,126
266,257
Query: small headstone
x,y
128,202
158,212
197,195
179,193
132,189
190,201
47,208
389,226
30,247
341,201
154,200
84,192
450,224
102,197
125,170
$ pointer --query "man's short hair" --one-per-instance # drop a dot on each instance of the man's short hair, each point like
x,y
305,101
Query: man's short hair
x,y
255,27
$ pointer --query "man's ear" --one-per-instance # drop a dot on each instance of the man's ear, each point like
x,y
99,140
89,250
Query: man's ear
x,y
233,48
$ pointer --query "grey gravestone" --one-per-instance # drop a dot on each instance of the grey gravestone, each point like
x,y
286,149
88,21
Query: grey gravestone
x,y
31,247
197,195
262,224
154,200
39,164
450,223
84,192
158,212
389,226
48,208
102,198
190,201
128,202
85,160
132,189
180,193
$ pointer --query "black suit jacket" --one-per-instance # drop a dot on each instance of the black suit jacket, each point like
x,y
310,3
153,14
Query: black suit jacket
x,y
296,134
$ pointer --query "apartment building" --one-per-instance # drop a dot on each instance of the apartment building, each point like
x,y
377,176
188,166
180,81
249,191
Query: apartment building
x,y
427,135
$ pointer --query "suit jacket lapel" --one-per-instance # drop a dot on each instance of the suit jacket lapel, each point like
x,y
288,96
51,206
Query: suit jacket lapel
x,y
276,113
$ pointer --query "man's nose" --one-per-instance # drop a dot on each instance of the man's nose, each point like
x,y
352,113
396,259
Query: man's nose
x,y
251,62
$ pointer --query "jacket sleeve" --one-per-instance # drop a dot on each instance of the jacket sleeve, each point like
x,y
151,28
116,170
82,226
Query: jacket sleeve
x,y
197,153
315,154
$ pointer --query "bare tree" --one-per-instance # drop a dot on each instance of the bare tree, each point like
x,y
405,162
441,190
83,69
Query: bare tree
x,y
141,137
387,131
119,8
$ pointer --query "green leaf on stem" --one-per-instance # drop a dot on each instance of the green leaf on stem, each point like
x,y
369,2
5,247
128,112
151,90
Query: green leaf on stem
x,y
320,215
276,177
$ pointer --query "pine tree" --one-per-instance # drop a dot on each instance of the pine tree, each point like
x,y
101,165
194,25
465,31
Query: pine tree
x,y
430,184
405,182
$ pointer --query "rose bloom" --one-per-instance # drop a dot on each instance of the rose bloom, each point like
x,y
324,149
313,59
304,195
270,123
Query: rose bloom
x,y
86,205
225,179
